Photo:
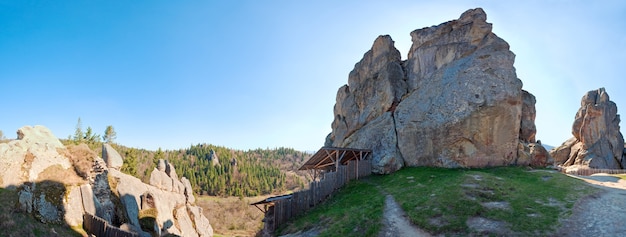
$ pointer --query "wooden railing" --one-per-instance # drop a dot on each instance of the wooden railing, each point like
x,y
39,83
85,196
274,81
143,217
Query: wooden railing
x,y
99,227
590,171
301,201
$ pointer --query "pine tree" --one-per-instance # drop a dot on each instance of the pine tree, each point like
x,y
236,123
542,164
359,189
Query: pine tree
x,y
109,135
130,162
78,133
91,137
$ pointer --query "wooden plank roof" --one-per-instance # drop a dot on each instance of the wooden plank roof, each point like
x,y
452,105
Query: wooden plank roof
x,y
328,156
272,199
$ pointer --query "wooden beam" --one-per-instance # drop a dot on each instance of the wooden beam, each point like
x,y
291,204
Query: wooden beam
x,y
260,208
339,158
321,160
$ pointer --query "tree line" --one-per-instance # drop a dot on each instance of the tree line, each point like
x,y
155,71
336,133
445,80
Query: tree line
x,y
90,137
237,173
232,173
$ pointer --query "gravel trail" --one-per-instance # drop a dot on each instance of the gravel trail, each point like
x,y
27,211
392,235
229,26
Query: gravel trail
x,y
600,214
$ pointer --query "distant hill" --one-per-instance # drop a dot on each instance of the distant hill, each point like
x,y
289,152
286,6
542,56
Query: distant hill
x,y
235,173
548,147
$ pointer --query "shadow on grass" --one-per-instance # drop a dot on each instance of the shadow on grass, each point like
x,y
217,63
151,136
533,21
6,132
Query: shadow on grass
x,y
43,215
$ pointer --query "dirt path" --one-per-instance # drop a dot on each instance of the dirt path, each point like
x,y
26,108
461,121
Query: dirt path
x,y
395,222
601,214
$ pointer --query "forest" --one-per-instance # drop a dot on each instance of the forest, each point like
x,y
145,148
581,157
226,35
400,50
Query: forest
x,y
220,171
212,170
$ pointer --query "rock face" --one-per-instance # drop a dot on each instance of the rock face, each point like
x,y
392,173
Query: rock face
x,y
166,179
165,202
111,157
597,142
455,102
38,167
533,154
215,161
530,152
528,130
35,150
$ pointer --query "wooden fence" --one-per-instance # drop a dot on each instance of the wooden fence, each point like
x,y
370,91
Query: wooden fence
x,y
99,227
590,171
318,191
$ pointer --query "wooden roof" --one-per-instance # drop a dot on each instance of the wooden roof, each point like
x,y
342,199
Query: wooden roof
x,y
328,156
272,199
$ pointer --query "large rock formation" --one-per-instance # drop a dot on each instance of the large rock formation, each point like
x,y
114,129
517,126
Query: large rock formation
x,y
455,102
168,203
35,150
597,142
530,152
38,167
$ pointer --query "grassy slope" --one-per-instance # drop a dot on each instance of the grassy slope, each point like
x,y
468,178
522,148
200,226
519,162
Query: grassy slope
x,y
440,201
355,211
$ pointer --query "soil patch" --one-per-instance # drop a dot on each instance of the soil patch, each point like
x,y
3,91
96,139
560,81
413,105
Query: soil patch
x,y
395,222
488,226
497,205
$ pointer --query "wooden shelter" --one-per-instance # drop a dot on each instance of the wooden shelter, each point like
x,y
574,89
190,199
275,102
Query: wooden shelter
x,y
340,166
269,202
329,158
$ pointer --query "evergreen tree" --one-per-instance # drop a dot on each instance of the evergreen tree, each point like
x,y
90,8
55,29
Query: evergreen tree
x,y
91,137
109,135
78,133
2,136
130,162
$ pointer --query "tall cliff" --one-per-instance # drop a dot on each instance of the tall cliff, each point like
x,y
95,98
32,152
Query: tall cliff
x,y
455,102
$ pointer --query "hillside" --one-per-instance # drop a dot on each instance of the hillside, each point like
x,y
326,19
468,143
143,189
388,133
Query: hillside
x,y
220,171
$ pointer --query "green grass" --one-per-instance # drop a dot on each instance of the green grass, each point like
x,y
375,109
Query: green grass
x,y
356,210
441,201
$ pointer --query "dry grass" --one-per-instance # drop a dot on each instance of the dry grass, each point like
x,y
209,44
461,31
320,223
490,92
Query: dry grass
x,y
81,157
56,173
232,216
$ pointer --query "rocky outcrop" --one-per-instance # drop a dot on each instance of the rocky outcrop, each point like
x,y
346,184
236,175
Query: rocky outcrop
x,y
188,191
56,194
528,130
530,152
165,203
164,177
160,180
24,160
111,157
37,167
597,142
455,102
215,161
533,154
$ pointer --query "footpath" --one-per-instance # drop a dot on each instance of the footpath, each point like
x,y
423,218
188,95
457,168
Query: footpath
x,y
600,214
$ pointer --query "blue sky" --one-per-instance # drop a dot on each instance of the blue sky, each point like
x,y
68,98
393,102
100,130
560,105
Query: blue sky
x,y
249,74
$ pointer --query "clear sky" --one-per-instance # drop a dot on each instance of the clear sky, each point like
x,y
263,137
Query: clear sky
x,y
250,74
